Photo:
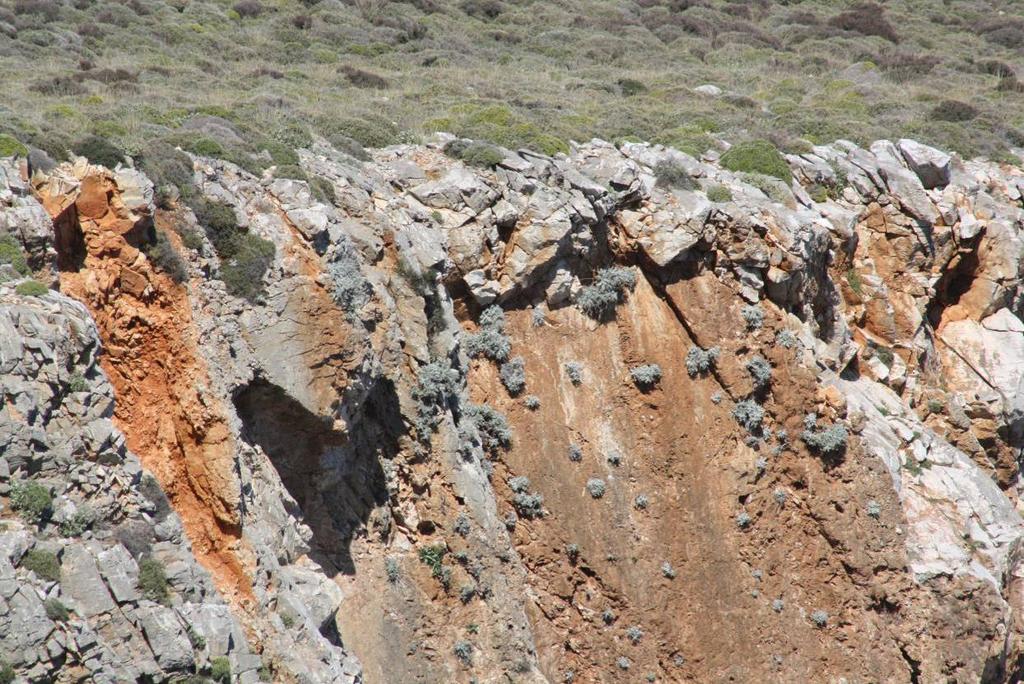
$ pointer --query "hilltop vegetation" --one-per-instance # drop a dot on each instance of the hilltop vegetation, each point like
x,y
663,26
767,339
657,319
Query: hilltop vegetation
x,y
514,72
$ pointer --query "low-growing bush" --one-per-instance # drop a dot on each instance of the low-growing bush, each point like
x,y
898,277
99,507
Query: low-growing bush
x,y
646,376
32,501
492,426
55,610
349,288
491,341
954,111
243,273
753,316
12,253
867,19
361,78
641,502
7,673
479,154
99,151
220,670
830,441
574,370
31,288
599,299
391,570
532,402
513,375
153,580
667,570
757,156
463,650
77,524
164,256
10,147
635,634
760,371
596,487
719,193
819,618
749,414
700,361
43,563
672,174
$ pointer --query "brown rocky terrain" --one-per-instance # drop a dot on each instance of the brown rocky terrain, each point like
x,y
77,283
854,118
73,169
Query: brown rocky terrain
x,y
472,427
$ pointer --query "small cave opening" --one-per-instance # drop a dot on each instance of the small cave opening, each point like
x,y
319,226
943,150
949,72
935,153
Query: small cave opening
x,y
953,285
69,241
335,477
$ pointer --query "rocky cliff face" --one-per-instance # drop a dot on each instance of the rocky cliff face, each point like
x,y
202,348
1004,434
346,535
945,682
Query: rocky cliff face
x,y
618,415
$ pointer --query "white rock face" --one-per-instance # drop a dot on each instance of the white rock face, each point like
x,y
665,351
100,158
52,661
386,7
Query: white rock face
x,y
930,164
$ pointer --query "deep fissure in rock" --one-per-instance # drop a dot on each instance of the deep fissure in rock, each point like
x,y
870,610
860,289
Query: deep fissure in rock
x,y
336,478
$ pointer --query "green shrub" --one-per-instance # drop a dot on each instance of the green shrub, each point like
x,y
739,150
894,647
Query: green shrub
x,y
32,501
368,132
954,111
322,189
7,673
10,147
757,156
671,174
170,169
56,611
243,273
164,256
292,171
220,670
474,153
32,288
153,580
12,253
719,193
43,563
99,151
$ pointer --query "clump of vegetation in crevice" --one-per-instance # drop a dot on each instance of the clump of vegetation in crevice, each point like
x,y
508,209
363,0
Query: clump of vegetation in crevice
x,y
599,299
491,341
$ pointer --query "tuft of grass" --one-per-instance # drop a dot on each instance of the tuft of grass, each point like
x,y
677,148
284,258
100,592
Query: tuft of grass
x,y
10,147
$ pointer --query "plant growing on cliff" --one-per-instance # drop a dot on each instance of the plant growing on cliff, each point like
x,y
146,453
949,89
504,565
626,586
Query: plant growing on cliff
x,y
77,524
32,501
31,288
874,509
153,580
757,156
719,193
667,570
391,569
574,370
7,673
349,289
479,154
513,375
596,487
532,402
12,253
819,618
753,315
463,650
749,414
760,371
491,341
700,361
635,634
55,610
43,563
433,558
436,382
830,441
641,502
165,257
672,174
492,426
646,376
609,288
220,670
